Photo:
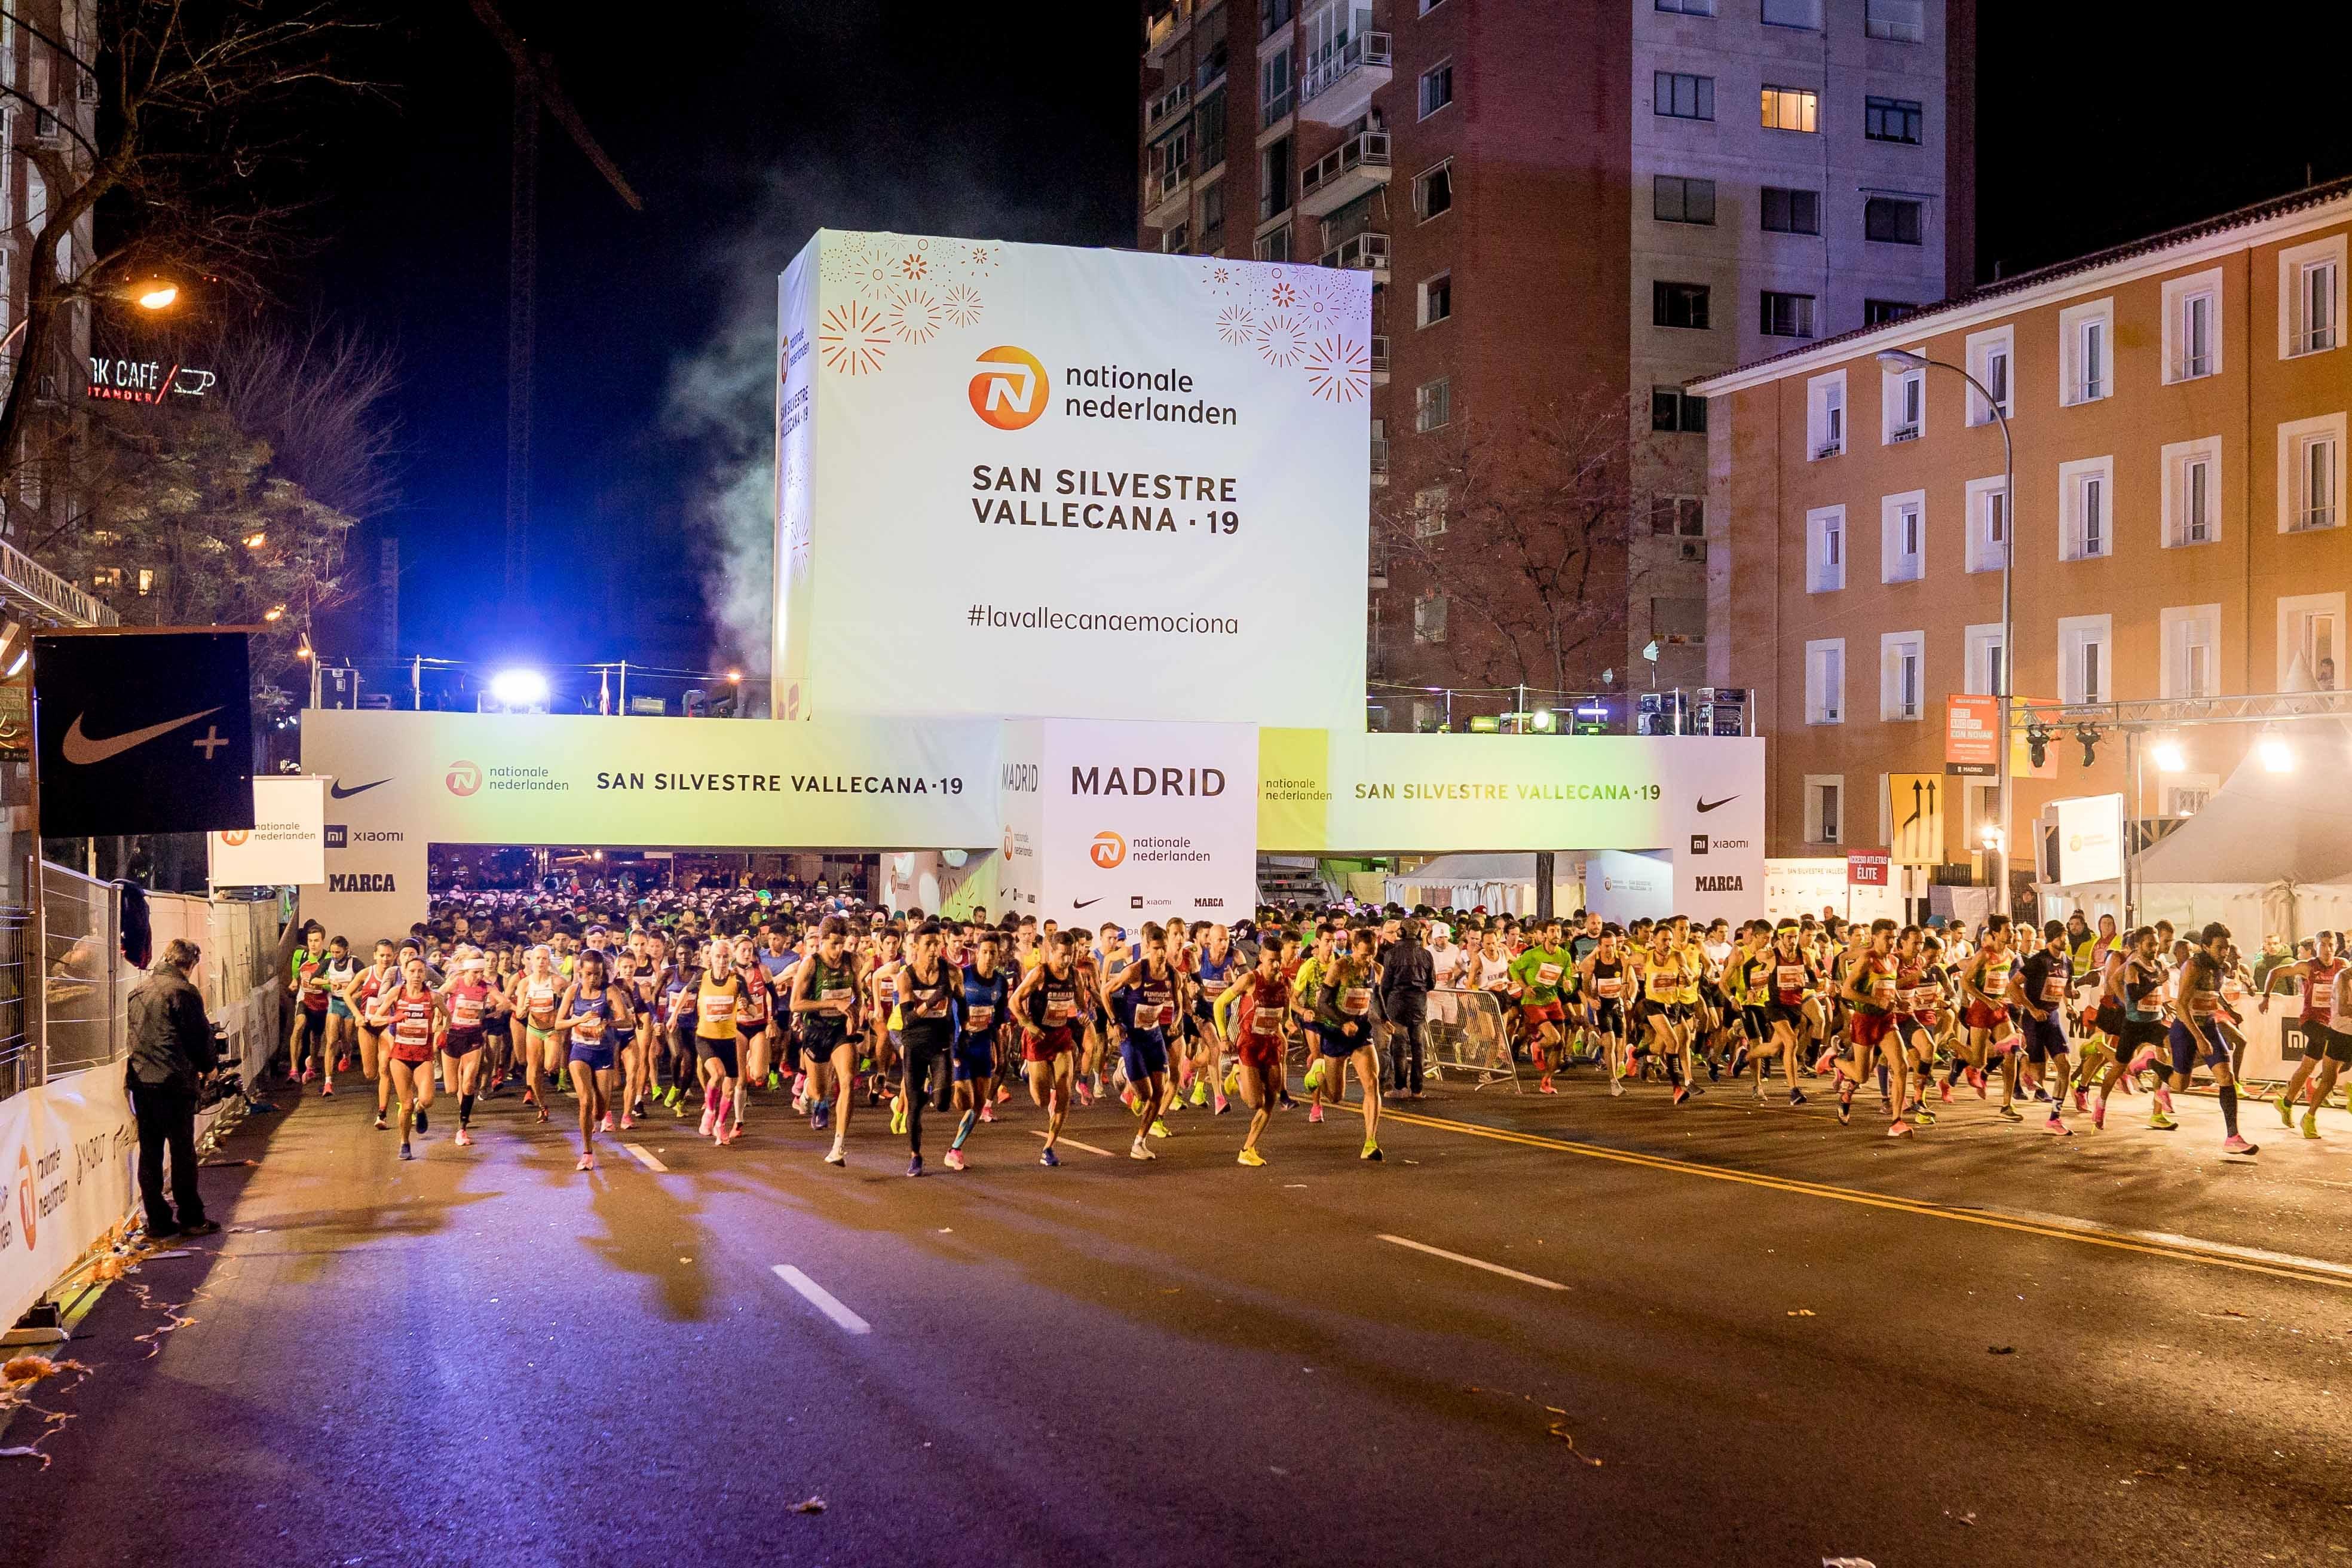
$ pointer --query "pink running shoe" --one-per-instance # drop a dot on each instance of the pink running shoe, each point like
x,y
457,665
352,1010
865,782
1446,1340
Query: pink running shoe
x,y
2057,1128
605,1125
627,1122
587,1162
307,1074
1546,1086
1314,1114
330,1088
988,1113
1899,1129
1977,1081
1222,1104
710,1115
2099,1113
2081,1101
955,1160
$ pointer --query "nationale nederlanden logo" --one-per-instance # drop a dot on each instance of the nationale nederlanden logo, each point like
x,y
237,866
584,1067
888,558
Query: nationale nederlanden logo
x,y
464,778
1010,390
1107,851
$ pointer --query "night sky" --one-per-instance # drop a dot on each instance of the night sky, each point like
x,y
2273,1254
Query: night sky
x,y
747,128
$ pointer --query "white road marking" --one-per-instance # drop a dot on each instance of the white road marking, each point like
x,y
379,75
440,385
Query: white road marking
x,y
645,1157
1074,1143
822,1299
1474,1263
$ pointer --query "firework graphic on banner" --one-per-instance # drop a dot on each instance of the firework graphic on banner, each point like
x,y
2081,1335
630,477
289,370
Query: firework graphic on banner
x,y
960,305
915,316
851,338
1281,338
1339,371
1236,326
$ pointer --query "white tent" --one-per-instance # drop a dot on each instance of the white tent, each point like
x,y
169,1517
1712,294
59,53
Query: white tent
x,y
2271,852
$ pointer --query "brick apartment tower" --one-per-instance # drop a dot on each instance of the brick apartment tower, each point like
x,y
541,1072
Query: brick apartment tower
x,y
1558,199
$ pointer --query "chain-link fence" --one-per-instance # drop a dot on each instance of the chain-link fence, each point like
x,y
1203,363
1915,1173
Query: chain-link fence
x,y
83,985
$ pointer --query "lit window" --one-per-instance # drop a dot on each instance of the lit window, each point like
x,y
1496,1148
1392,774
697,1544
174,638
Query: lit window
x,y
1791,108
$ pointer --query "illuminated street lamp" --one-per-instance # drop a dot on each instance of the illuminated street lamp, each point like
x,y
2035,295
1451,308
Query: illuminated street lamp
x,y
274,613
2168,754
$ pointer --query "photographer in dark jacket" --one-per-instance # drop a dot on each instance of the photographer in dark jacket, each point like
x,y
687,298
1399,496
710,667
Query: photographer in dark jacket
x,y
1406,976
172,1051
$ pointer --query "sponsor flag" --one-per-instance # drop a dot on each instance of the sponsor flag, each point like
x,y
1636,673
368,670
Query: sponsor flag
x,y
142,731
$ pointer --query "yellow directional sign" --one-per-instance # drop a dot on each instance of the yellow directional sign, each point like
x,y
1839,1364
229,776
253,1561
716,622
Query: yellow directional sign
x,y
1915,814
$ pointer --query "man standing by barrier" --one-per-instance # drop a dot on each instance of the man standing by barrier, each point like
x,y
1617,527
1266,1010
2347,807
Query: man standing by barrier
x,y
171,1049
1407,975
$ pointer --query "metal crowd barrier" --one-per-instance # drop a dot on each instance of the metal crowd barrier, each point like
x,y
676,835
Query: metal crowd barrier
x,y
1468,1035
85,988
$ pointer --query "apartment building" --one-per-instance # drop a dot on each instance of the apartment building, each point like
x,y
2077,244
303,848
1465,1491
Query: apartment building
x,y
1559,205
2177,410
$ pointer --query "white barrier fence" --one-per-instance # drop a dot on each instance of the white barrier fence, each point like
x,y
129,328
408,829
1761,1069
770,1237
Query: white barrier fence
x,y
68,1151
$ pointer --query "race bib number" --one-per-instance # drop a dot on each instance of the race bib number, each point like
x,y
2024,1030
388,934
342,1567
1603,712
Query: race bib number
x,y
466,1011
931,1007
2053,990
1060,1007
411,1031
2204,1005
1356,999
1265,1023
1147,1015
1547,974
975,1019
588,1028
840,998
718,1007
542,999
1792,977
1882,991
1609,988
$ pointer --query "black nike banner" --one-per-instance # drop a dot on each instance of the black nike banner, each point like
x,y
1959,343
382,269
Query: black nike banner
x,y
142,732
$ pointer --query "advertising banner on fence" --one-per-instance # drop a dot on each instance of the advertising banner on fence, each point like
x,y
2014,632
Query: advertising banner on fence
x,y
67,1152
287,845
1010,458
2090,838
1148,822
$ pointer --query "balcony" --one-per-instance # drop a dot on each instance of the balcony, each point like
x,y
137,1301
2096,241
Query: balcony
x,y
1379,462
1339,82
1380,359
30,587
1356,167
1167,25
1167,196
1367,252
1167,107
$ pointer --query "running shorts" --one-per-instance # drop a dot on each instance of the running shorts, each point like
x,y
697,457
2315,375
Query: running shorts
x,y
720,1051
1608,1015
1981,1015
1870,1029
2192,1046
2109,1019
1755,1022
1047,1044
312,1026
1263,1052
1539,1013
597,1058
974,1056
1330,1042
337,1008
2044,1038
2320,1040
1143,1052
461,1042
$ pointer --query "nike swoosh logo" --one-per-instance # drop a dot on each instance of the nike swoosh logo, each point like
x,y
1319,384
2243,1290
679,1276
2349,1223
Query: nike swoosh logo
x,y
1711,804
1082,903
83,751
339,793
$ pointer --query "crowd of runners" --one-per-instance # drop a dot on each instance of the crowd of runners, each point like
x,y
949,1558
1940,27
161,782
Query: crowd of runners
x,y
698,1005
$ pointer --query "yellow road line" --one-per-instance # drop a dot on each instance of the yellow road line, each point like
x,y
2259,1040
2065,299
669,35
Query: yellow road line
x,y
1866,1200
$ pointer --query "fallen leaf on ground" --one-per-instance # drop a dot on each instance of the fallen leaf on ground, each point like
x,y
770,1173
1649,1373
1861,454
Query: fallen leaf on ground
x,y
2225,1312
814,1505
1560,1431
1802,1312
32,1368
24,1452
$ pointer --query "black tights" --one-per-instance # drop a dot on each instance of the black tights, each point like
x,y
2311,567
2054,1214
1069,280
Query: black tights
x,y
916,1057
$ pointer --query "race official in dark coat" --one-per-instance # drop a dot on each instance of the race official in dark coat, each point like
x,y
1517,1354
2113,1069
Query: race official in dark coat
x,y
172,1051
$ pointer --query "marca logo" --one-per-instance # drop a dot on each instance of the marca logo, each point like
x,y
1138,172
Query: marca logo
x,y
1720,885
1207,903
1107,851
1010,392
360,882
464,778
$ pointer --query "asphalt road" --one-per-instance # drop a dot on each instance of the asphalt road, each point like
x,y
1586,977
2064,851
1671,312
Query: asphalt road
x,y
1767,1339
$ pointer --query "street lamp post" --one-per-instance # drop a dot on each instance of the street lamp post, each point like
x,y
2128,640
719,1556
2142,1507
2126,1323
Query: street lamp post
x,y
2004,683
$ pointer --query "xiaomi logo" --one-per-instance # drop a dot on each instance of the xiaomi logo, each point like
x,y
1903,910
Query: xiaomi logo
x,y
1108,849
1010,390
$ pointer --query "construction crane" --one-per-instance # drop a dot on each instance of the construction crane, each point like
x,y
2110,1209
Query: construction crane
x,y
536,91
